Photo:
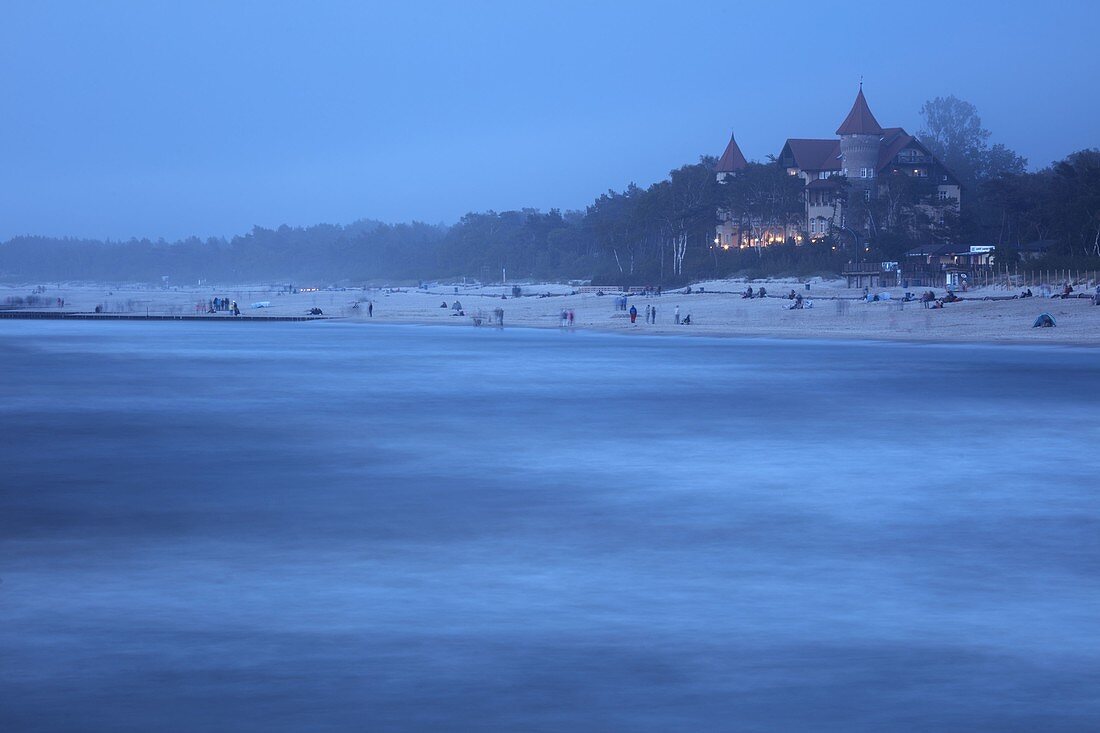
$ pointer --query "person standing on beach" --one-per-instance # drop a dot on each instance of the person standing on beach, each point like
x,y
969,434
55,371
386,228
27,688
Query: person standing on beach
x,y
676,315
647,313
570,317
633,315
653,315
370,309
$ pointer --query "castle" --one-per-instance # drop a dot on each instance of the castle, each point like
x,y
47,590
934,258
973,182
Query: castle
x,y
864,154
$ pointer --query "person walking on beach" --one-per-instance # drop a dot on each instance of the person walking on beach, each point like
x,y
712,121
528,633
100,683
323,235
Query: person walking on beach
x,y
633,315
676,315
570,317
647,312
653,315
370,309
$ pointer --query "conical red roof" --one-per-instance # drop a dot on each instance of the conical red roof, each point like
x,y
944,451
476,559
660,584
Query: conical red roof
x,y
732,160
859,121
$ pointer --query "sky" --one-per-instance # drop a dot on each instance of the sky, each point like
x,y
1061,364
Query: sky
x,y
170,119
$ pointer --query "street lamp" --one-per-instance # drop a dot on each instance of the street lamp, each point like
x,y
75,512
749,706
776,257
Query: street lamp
x,y
855,238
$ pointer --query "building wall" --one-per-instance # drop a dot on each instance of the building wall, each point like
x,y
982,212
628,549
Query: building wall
x,y
951,191
820,214
727,234
859,152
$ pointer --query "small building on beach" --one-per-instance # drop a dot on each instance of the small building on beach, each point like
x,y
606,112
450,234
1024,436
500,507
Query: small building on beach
x,y
945,265
871,275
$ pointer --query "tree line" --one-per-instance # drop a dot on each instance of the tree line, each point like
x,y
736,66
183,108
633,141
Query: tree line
x,y
661,234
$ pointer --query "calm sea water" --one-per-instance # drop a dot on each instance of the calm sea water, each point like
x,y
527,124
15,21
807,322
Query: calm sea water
x,y
338,527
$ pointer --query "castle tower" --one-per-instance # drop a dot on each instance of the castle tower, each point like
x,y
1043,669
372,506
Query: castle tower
x,y
732,161
860,138
727,235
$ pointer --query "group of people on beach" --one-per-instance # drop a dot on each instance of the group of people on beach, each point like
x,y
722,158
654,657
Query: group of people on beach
x,y
651,315
217,305
567,317
456,307
749,294
929,300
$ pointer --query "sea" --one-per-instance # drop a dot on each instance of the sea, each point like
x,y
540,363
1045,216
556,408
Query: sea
x,y
337,526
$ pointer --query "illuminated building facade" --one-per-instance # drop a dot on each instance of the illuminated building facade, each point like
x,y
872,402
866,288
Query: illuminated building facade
x,y
863,154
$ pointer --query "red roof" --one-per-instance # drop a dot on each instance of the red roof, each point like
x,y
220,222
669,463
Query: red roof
x,y
894,140
731,160
859,121
814,155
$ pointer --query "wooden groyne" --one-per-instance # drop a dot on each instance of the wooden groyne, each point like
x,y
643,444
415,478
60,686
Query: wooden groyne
x,y
69,316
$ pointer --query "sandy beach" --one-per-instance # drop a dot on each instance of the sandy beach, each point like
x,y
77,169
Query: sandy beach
x,y
716,309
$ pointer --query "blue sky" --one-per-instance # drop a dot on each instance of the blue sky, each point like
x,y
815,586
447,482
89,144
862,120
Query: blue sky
x,y
161,119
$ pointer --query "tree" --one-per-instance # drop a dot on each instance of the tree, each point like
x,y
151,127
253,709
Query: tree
x,y
953,132
611,218
688,201
1076,189
763,198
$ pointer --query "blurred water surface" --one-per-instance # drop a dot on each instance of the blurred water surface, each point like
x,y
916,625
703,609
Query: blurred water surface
x,y
331,527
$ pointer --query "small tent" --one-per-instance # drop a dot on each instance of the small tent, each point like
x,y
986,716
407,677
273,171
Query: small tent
x,y
1045,320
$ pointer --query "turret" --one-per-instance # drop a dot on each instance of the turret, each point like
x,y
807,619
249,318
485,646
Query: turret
x,y
860,138
732,161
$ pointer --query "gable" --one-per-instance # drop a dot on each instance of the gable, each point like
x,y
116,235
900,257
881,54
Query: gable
x,y
896,141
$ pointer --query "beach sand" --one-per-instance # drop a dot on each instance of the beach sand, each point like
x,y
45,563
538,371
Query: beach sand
x,y
719,310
